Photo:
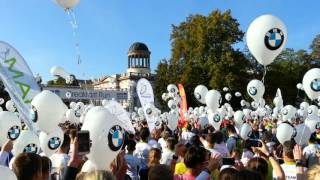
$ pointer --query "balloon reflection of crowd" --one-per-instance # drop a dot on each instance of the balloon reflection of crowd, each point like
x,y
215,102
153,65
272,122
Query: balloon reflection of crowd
x,y
187,153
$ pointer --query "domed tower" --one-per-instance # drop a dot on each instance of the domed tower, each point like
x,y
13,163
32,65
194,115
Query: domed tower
x,y
138,59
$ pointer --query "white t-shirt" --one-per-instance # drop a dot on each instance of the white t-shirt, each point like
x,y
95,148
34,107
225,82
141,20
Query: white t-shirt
x,y
290,171
59,162
162,143
166,157
142,153
154,144
133,166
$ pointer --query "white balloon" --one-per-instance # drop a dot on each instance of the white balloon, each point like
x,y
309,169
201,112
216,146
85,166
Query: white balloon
x,y
239,118
71,116
313,110
238,94
266,37
172,104
243,103
88,166
247,113
72,105
311,83
299,86
50,143
228,96
284,132
6,173
245,131
288,113
1,101
215,119
278,102
304,106
47,110
171,88
312,122
106,134
10,106
303,134
173,119
255,89
200,93
10,126
60,72
254,104
67,4
27,142
213,99
225,89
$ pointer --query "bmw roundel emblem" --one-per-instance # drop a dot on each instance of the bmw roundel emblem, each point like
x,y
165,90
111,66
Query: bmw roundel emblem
x,y
284,111
149,111
54,143
13,133
198,96
253,91
33,114
115,138
274,39
30,148
216,118
315,85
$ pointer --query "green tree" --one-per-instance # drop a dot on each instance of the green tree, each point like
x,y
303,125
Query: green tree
x,y
203,53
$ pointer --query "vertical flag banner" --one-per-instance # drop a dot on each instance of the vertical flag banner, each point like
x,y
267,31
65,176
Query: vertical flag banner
x,y
18,80
183,105
146,97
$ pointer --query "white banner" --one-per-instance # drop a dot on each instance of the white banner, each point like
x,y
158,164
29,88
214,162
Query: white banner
x,y
116,109
18,80
145,94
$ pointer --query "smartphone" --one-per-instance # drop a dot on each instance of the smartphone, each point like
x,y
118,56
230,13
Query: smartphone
x,y
254,143
228,161
83,142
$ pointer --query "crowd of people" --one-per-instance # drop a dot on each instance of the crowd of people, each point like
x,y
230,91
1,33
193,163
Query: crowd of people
x,y
187,153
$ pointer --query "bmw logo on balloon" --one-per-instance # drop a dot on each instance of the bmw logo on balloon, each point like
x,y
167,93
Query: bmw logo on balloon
x,y
253,91
30,148
315,85
115,138
54,143
274,39
14,133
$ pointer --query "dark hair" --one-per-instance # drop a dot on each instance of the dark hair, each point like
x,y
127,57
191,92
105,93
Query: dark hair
x,y
171,143
27,166
246,174
288,147
259,165
266,136
66,141
160,172
131,145
194,156
210,138
231,129
188,127
144,134
165,135
313,138
46,167
218,137
228,174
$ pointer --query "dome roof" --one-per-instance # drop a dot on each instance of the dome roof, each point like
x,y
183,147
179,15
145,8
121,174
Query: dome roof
x,y
138,46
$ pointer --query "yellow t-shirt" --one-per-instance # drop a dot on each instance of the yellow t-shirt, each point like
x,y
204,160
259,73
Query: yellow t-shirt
x,y
180,168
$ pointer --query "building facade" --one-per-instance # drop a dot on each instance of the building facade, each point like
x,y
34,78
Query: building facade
x,y
120,87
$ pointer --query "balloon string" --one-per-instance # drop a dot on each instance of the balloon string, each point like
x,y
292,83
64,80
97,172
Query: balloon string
x,y
74,26
264,73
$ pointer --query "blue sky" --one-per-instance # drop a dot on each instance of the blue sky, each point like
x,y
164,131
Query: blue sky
x,y
40,29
